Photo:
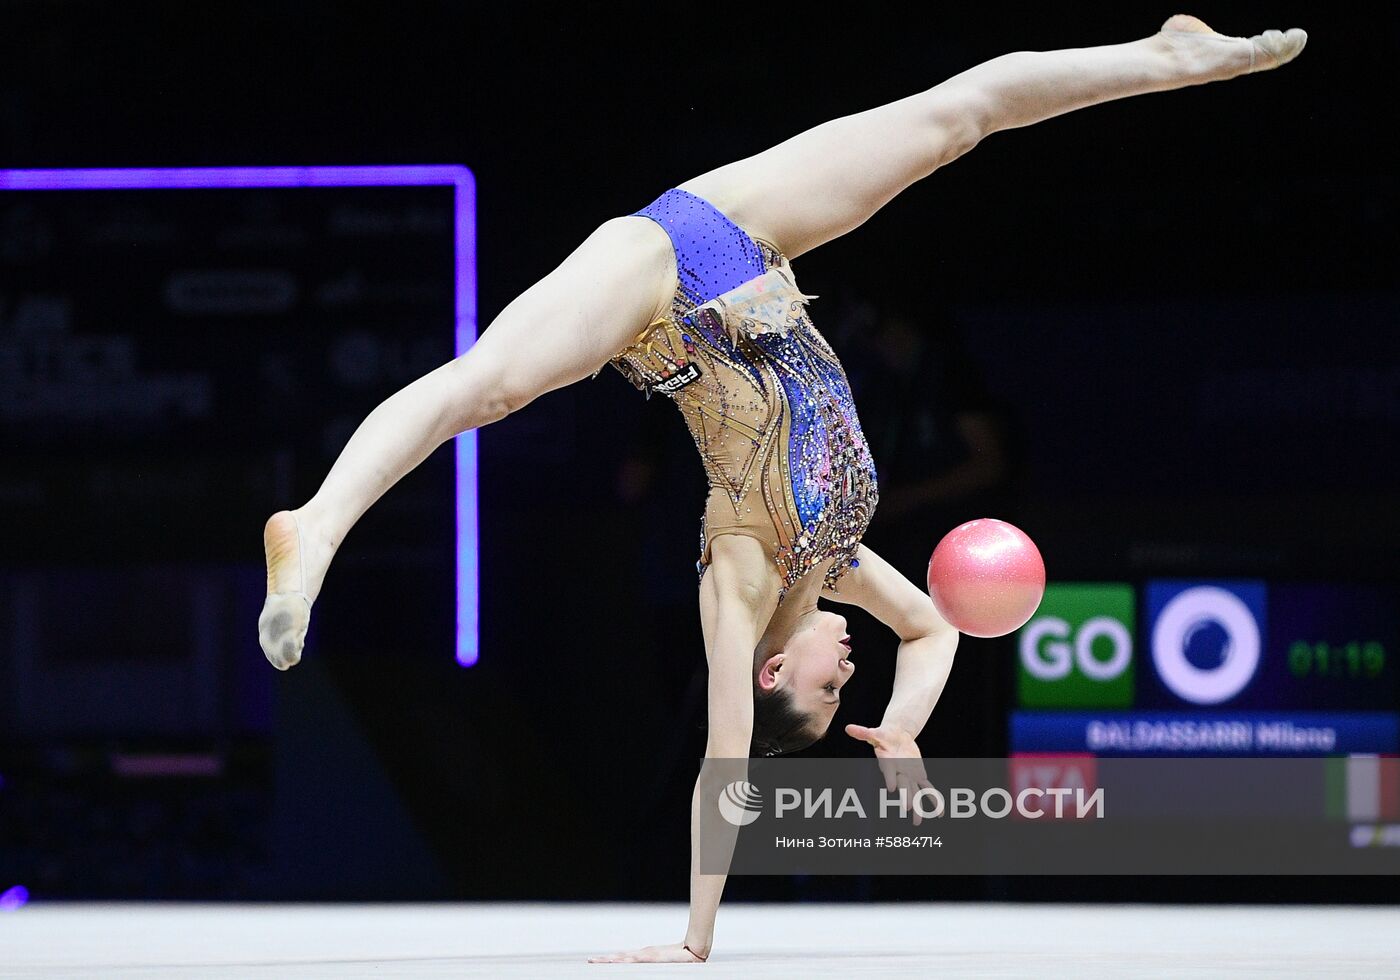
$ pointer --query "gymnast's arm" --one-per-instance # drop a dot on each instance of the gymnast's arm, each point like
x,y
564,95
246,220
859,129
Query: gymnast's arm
x,y
742,600
926,647
738,595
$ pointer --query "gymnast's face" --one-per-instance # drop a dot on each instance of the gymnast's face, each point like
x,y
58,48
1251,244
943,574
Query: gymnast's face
x,y
812,664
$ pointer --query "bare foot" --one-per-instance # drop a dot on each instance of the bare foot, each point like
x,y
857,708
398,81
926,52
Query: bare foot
x,y
296,565
1216,56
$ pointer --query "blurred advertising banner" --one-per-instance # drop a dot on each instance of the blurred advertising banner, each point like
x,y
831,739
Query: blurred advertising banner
x,y
174,361
180,356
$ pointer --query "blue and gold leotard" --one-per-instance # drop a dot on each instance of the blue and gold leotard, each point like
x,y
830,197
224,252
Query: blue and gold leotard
x,y
765,397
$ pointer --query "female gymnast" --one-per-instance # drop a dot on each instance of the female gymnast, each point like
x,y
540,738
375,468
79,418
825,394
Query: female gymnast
x,y
693,298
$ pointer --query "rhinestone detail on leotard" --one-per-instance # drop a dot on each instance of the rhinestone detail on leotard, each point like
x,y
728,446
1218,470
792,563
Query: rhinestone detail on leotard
x,y
767,403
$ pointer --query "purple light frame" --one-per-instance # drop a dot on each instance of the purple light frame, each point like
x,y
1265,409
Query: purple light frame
x,y
462,181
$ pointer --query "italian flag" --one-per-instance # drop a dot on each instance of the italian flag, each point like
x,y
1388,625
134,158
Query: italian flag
x,y
1363,788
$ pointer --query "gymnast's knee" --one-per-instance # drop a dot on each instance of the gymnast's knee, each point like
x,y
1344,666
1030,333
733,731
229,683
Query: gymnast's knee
x,y
481,391
959,121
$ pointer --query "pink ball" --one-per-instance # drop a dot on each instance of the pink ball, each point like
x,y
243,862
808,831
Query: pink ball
x,y
986,577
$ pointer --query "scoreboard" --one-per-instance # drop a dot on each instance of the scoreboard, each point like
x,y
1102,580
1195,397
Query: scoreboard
x,y
1209,667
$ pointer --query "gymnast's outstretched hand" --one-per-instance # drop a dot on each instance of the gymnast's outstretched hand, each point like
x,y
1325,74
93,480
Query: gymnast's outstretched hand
x,y
674,953
900,760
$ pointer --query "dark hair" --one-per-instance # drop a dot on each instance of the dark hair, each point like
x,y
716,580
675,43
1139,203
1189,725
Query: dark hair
x,y
778,727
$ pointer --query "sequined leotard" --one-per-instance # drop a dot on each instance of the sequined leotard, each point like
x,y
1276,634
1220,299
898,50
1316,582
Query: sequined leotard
x,y
762,392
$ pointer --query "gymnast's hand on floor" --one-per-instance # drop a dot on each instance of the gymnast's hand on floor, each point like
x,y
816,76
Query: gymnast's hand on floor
x,y
674,953
901,762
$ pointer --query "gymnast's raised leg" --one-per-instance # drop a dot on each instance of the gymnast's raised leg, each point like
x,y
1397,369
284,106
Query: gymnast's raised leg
x,y
829,179
560,330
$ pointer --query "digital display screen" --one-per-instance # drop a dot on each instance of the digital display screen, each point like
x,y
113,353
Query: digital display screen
x,y
1210,667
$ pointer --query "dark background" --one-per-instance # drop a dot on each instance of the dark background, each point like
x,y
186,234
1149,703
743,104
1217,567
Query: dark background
x,y
1169,321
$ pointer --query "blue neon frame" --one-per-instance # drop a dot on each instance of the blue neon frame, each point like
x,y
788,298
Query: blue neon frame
x,y
464,211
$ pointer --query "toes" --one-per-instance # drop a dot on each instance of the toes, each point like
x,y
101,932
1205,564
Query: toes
x,y
1278,47
290,654
282,629
284,655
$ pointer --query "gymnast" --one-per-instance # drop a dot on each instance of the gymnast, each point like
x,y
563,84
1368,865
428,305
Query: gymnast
x,y
693,298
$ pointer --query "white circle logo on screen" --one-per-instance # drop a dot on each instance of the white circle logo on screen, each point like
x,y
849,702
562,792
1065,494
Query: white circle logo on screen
x,y
1179,621
740,803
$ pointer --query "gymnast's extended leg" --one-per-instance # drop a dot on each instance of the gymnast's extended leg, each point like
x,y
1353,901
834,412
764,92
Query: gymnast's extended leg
x,y
825,181
558,331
